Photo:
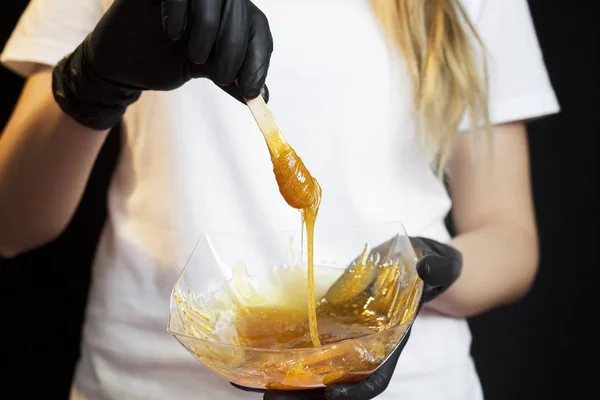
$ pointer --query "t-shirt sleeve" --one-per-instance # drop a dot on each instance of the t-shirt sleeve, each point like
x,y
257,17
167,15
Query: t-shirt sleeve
x,y
519,86
47,31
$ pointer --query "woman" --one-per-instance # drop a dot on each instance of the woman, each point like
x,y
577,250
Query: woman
x,y
372,95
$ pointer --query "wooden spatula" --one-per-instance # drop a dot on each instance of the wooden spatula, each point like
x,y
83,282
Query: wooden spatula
x,y
266,123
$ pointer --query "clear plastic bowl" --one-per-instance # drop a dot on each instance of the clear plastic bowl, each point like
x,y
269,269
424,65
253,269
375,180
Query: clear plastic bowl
x,y
231,273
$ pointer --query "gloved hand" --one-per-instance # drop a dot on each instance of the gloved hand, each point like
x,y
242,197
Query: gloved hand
x,y
160,45
438,266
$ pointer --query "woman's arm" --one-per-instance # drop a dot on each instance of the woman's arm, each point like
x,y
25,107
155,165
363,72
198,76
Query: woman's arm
x,y
495,223
45,161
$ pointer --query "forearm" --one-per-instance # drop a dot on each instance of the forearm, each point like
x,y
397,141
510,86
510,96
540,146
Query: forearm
x,y
45,161
499,265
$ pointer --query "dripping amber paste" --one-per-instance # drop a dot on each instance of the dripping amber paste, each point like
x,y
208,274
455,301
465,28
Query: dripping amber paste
x,y
301,191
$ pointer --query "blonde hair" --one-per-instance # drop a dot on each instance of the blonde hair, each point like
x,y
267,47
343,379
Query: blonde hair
x,y
448,76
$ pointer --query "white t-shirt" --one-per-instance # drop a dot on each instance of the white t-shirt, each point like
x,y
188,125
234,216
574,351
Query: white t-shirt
x,y
193,160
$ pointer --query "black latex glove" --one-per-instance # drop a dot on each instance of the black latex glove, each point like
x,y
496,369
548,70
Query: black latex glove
x,y
439,266
160,45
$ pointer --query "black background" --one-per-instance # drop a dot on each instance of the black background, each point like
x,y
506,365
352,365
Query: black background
x,y
540,348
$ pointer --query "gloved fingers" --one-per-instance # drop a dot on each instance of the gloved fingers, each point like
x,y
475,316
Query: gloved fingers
x,y
437,273
427,246
205,19
232,42
253,72
234,92
174,18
